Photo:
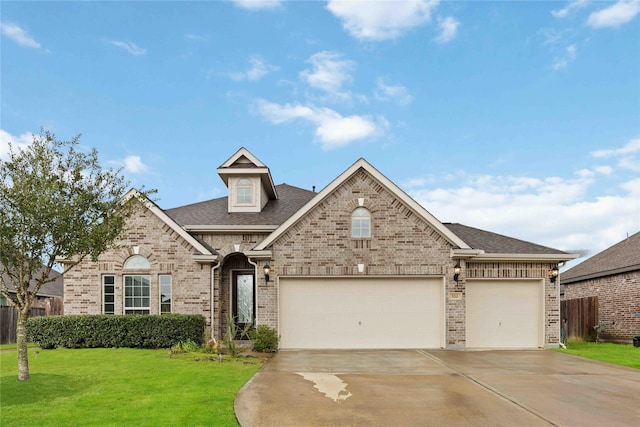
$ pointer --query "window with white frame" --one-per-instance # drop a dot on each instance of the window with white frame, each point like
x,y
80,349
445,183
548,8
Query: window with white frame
x,y
244,191
136,262
109,294
165,293
136,294
361,223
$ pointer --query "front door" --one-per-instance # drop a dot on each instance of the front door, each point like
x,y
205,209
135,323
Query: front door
x,y
244,301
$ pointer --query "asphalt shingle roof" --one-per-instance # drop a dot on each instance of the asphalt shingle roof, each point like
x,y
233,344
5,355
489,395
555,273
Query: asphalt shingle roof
x,y
623,256
215,212
497,243
51,289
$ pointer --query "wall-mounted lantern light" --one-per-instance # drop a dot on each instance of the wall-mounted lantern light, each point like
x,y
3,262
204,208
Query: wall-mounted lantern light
x,y
456,271
553,274
267,270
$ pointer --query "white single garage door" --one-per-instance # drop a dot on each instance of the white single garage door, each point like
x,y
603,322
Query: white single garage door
x,y
505,314
335,313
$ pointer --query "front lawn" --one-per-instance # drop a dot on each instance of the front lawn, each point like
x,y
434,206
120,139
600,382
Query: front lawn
x,y
121,386
620,354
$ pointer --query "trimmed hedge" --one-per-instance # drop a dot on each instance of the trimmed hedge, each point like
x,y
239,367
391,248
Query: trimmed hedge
x,y
135,331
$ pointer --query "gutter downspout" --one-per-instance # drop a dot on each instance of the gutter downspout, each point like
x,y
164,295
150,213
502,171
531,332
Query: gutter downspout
x,y
255,291
213,277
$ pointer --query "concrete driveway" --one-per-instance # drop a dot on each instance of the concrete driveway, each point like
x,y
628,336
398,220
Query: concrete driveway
x,y
438,388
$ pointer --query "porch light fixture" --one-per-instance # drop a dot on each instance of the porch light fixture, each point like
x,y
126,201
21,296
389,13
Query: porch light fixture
x,y
267,270
553,274
456,271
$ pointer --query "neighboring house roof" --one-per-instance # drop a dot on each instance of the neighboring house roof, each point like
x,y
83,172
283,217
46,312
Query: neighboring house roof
x,y
619,258
493,243
215,212
51,289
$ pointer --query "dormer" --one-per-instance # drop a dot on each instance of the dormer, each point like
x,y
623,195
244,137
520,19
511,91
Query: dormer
x,y
249,182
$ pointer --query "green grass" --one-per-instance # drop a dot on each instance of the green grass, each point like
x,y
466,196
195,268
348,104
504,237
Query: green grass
x,y
619,354
117,387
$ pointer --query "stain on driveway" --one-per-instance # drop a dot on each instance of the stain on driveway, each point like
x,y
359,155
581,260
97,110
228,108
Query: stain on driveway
x,y
453,388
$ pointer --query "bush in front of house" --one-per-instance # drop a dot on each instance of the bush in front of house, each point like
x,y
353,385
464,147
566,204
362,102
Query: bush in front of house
x,y
134,331
265,338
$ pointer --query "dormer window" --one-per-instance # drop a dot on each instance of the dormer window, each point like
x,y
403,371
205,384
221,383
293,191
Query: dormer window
x,y
244,191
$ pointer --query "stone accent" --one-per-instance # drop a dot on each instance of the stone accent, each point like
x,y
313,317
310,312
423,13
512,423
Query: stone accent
x,y
618,303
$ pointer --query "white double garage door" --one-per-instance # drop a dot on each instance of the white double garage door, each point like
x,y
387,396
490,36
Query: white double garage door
x,y
406,312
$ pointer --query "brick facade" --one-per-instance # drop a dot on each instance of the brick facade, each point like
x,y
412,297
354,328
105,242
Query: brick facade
x,y
166,251
618,303
402,243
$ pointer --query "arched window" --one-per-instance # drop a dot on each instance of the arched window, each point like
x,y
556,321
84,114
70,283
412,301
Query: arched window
x,y
136,286
361,223
244,191
136,262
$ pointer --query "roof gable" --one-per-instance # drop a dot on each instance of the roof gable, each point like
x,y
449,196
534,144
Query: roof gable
x,y
621,257
383,180
242,162
153,208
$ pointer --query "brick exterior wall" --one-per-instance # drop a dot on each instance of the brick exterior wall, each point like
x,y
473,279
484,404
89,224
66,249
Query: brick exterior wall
x,y
618,303
166,251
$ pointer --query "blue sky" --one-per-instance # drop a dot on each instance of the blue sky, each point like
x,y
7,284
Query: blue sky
x,y
522,118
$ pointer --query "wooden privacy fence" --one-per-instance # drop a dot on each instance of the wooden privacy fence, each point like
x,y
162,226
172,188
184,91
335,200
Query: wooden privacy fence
x,y
9,320
581,315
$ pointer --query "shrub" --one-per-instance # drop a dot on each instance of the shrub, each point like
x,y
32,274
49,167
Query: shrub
x,y
134,331
188,346
265,338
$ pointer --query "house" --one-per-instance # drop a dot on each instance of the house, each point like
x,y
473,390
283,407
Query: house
x,y
612,275
359,264
48,291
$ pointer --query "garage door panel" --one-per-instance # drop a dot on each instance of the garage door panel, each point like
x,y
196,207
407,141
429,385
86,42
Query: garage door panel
x,y
360,313
504,314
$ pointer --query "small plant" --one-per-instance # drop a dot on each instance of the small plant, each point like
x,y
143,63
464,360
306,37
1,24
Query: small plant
x,y
599,328
187,346
230,343
265,339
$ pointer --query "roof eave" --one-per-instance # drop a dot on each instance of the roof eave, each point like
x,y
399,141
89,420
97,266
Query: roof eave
x,y
601,274
230,228
524,257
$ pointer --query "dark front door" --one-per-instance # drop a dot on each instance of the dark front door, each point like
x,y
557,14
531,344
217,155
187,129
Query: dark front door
x,y
244,300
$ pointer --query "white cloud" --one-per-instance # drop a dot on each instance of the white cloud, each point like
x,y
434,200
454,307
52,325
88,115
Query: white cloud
x,y
574,5
329,71
332,129
592,209
448,29
257,70
135,165
18,35
254,5
632,147
390,92
381,20
570,56
18,142
627,156
614,16
552,211
130,47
